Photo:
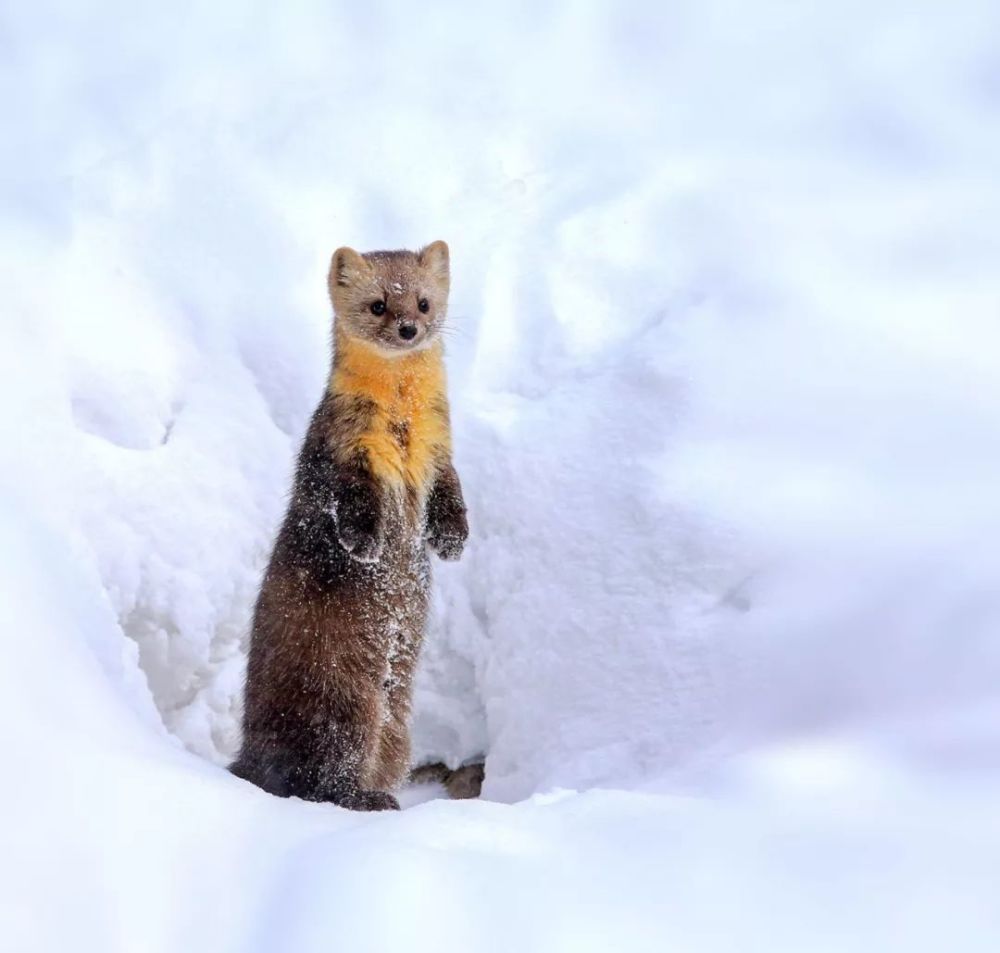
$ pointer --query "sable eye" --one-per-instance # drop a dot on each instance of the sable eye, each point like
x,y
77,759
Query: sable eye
x,y
377,307
424,305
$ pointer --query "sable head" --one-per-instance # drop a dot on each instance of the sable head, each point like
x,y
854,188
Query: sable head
x,y
394,300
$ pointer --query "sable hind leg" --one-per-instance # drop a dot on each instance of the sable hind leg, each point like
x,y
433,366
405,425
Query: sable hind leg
x,y
391,762
351,747
392,757
279,768
317,765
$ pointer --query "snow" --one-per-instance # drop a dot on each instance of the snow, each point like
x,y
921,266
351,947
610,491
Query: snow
x,y
724,354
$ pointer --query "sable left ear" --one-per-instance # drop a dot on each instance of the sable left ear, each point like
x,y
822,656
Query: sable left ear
x,y
434,258
346,267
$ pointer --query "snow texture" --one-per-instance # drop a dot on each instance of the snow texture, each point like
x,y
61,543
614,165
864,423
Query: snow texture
x,y
724,358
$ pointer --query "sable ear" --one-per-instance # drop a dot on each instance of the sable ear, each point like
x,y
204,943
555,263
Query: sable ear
x,y
346,267
434,258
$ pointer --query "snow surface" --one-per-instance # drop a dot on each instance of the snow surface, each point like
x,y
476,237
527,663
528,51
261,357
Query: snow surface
x,y
725,369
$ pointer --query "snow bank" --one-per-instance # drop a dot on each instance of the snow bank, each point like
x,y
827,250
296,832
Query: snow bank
x,y
725,355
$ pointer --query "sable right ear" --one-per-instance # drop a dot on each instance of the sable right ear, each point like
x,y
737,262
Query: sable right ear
x,y
346,267
434,257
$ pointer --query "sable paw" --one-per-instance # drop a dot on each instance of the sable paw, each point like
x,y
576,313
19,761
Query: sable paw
x,y
447,547
358,516
371,801
364,546
447,538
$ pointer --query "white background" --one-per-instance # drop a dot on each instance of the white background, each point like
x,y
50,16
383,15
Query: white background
x,y
725,370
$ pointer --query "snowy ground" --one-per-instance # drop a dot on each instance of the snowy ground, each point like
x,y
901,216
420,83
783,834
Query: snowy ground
x,y
725,369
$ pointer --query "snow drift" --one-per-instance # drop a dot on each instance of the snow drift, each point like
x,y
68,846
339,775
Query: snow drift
x,y
724,358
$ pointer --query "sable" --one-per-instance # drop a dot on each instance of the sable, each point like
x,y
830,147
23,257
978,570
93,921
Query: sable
x,y
342,609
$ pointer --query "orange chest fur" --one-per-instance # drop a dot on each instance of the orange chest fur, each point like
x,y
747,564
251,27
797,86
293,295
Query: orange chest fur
x,y
407,433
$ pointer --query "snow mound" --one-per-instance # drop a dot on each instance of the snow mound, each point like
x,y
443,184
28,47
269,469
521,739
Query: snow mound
x,y
725,368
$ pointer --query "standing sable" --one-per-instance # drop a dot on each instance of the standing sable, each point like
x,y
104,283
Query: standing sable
x,y
343,606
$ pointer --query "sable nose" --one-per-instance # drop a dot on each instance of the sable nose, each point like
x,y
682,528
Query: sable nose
x,y
407,331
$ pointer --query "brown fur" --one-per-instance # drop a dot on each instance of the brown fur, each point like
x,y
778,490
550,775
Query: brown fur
x,y
343,606
464,782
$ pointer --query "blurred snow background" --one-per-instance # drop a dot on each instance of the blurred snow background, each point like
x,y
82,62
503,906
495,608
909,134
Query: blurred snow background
x,y
725,369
